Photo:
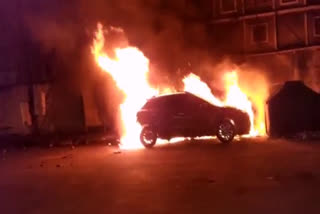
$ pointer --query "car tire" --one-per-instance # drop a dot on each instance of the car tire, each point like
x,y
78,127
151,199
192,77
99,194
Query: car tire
x,y
148,137
226,131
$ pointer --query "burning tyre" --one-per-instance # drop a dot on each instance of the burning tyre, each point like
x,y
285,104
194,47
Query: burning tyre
x,y
226,131
148,137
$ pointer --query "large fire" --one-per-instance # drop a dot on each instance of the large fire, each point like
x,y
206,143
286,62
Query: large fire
x,y
235,97
129,68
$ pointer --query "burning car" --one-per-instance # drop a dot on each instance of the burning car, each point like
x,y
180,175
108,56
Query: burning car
x,y
186,115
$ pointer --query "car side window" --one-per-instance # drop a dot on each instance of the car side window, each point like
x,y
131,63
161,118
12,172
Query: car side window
x,y
173,104
155,104
192,104
184,104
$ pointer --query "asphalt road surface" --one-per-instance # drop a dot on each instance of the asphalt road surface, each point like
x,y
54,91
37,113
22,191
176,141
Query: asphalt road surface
x,y
248,176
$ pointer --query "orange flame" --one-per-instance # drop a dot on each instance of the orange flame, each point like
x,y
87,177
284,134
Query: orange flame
x,y
129,68
235,98
194,85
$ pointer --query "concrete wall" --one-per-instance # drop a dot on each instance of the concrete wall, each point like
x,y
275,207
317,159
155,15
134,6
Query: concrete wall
x,y
299,65
14,111
287,25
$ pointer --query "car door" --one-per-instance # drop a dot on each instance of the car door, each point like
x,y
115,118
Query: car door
x,y
178,116
189,116
196,120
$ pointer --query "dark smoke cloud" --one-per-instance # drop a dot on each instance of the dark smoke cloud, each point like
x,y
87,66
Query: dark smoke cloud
x,y
161,29
172,34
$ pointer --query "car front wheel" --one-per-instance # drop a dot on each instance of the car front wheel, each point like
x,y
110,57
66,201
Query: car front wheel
x,y
226,131
148,137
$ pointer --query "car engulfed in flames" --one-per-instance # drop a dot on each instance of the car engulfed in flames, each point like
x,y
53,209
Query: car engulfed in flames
x,y
129,68
186,115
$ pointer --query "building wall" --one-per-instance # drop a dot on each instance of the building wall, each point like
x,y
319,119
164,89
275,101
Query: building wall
x,y
231,32
14,111
269,25
259,34
22,58
93,117
291,31
256,6
9,43
64,111
282,37
227,8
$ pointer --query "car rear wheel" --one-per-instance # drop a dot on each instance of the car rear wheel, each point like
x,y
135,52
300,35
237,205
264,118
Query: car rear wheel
x,y
148,137
226,131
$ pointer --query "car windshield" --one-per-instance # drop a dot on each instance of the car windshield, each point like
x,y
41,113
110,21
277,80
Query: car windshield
x,y
153,103
176,101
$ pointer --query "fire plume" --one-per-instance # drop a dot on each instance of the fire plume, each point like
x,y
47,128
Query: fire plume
x,y
235,97
194,85
129,68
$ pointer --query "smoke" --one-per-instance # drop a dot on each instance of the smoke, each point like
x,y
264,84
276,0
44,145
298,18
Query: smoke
x,y
162,29
252,80
172,34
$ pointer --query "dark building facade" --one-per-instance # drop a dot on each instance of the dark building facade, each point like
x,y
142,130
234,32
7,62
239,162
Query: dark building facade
x,y
283,33
31,98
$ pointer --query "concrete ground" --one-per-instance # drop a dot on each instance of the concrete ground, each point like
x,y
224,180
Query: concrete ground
x,y
248,176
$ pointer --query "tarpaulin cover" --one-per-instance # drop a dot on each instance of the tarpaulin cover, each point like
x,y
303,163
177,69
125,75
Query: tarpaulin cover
x,y
294,108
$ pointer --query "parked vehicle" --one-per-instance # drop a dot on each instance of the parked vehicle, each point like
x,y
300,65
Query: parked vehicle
x,y
186,115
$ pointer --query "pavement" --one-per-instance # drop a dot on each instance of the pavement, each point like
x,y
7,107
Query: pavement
x,y
247,176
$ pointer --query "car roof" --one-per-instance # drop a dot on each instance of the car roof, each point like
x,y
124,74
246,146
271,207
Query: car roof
x,y
178,94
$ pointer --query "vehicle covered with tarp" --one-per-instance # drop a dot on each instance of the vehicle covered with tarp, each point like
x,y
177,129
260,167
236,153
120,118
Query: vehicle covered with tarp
x,y
292,109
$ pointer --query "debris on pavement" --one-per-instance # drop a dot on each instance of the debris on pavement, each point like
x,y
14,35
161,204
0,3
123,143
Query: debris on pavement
x,y
66,156
117,152
270,178
307,135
